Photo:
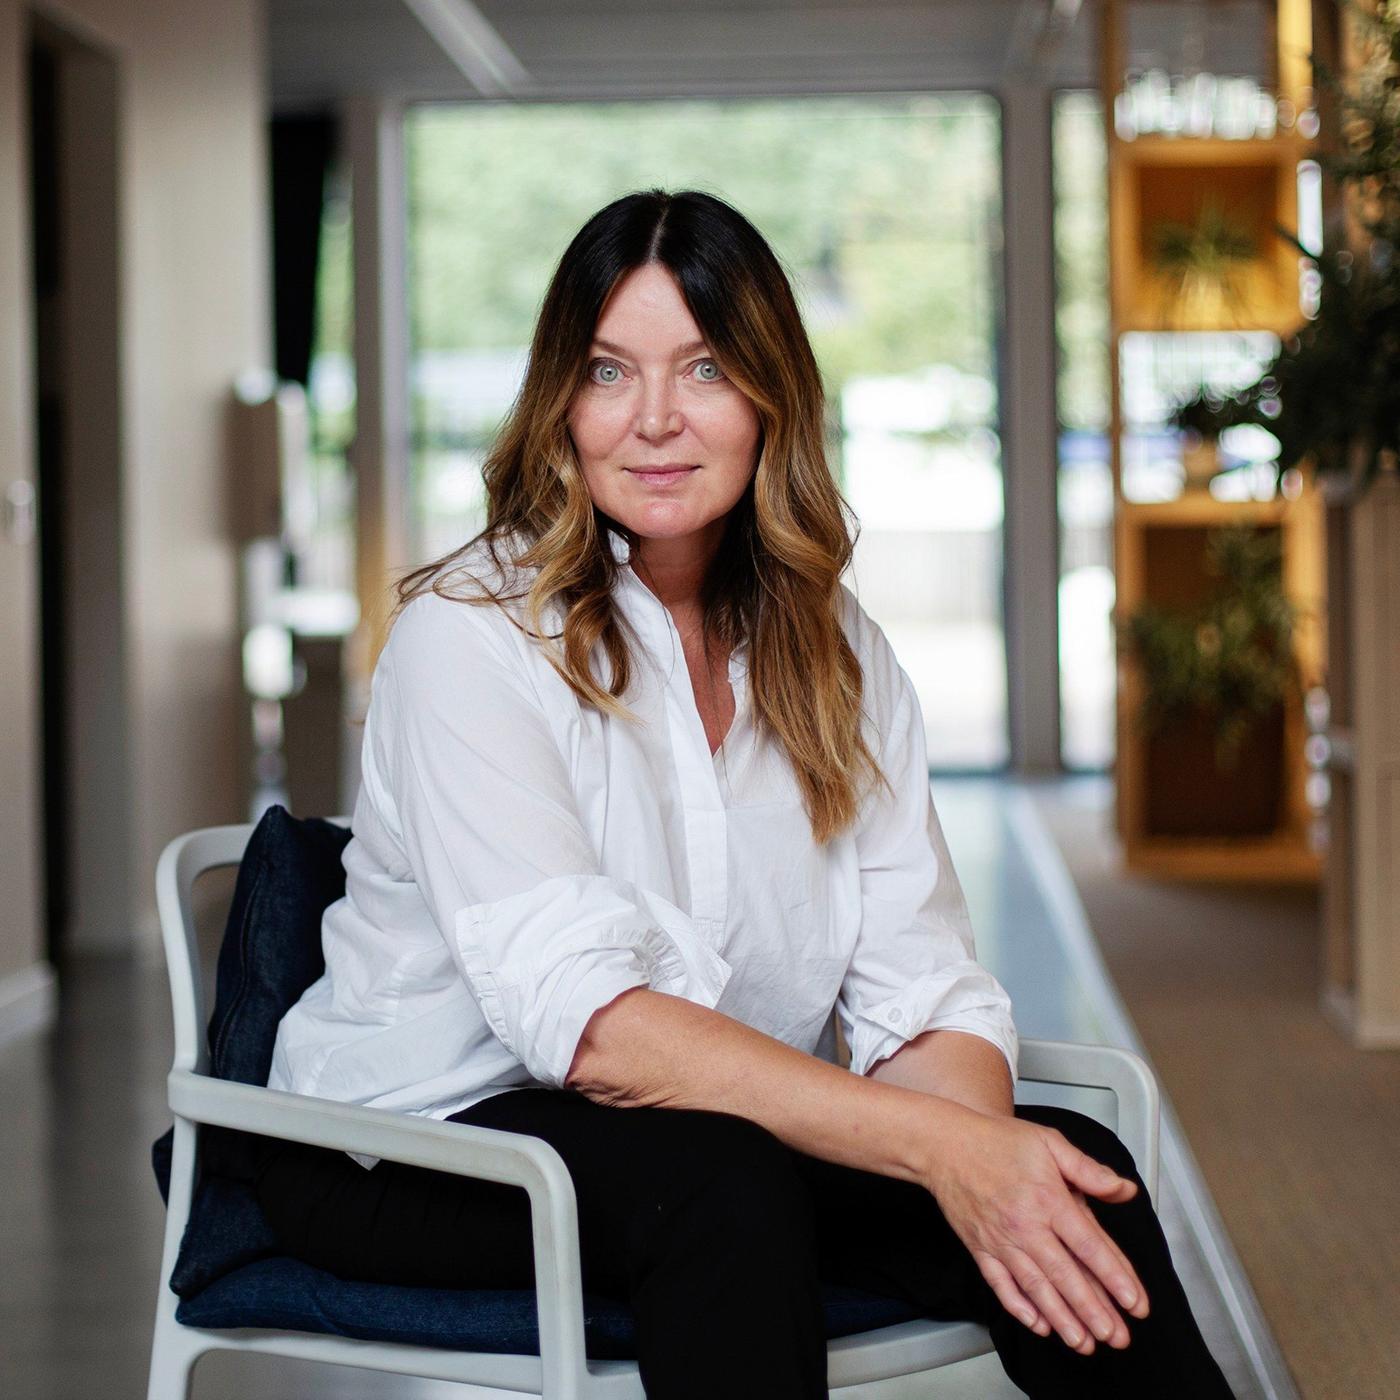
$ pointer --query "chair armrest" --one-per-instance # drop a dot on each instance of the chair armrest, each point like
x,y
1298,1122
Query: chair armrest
x,y
461,1148
1127,1075
464,1149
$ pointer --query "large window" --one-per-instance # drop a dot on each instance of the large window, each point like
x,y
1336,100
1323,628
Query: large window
x,y
1085,488
886,211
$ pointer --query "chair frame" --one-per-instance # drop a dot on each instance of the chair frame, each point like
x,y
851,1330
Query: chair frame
x,y
889,1363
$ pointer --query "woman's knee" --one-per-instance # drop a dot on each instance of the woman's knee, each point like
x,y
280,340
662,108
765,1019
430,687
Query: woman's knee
x,y
1087,1134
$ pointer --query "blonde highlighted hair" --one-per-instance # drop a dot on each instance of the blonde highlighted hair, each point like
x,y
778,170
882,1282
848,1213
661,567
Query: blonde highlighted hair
x,y
775,580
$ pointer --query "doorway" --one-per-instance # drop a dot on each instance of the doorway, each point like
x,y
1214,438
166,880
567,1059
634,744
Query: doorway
x,y
74,132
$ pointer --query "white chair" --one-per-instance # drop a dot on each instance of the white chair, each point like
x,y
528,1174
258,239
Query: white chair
x,y
891,1362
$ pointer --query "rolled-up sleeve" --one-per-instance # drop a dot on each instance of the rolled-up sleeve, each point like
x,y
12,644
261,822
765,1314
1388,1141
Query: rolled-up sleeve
x,y
915,964
493,837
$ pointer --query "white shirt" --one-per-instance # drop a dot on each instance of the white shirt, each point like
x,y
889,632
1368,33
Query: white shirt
x,y
519,859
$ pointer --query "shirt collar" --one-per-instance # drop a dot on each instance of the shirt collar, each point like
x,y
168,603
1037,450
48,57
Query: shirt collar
x,y
621,550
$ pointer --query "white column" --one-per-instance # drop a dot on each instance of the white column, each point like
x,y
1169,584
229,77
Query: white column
x,y
1367,1004
379,455
1029,430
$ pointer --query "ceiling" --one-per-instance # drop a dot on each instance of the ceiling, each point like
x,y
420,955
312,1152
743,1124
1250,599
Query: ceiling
x,y
455,50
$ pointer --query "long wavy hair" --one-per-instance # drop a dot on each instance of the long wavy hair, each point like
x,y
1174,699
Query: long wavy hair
x,y
775,579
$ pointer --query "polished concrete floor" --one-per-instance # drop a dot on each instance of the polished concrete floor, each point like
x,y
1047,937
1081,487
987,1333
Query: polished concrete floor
x,y
81,1219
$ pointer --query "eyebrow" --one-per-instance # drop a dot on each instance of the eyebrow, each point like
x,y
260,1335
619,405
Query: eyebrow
x,y
689,348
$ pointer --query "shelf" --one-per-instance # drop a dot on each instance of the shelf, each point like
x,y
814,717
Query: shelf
x,y
1159,182
1157,150
1159,547
1201,508
1285,858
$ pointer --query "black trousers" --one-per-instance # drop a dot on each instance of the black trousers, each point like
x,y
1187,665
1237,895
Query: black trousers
x,y
719,1235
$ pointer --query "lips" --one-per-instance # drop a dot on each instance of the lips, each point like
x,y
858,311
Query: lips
x,y
663,475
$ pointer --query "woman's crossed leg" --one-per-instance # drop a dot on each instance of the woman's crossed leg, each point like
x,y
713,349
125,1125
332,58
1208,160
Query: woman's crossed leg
x,y
719,1236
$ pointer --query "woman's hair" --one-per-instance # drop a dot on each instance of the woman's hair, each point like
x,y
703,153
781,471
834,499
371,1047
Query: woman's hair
x,y
776,577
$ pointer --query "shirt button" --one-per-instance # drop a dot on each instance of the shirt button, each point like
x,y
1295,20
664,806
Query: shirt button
x,y
896,1016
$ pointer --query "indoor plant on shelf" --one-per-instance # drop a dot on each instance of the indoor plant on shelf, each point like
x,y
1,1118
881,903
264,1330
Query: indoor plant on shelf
x,y
1216,681
1200,266
1201,419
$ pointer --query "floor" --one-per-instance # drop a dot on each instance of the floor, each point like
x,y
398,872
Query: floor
x,y
1294,1128
81,1219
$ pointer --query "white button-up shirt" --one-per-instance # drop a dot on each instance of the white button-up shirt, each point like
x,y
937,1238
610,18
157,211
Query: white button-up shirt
x,y
519,859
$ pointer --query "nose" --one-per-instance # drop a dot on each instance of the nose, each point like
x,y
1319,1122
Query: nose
x,y
658,413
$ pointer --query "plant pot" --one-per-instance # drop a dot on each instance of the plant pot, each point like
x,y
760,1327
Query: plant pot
x,y
1188,794
1200,459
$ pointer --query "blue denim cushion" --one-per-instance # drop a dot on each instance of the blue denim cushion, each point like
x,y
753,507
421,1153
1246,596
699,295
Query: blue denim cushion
x,y
290,872
288,1294
271,953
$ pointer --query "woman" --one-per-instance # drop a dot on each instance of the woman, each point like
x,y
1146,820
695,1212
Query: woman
x,y
610,900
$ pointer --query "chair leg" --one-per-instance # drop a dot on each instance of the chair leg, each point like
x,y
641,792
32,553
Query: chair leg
x,y
172,1359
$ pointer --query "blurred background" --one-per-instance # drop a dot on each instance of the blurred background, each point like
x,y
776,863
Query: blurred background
x,y
1107,304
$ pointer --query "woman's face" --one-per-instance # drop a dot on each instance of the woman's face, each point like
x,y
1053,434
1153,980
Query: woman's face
x,y
655,399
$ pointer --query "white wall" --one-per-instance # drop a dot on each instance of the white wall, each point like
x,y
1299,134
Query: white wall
x,y
21,943
193,271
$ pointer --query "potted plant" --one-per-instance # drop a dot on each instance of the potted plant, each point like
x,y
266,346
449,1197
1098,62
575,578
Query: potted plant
x,y
1201,419
1200,264
1217,678
1332,394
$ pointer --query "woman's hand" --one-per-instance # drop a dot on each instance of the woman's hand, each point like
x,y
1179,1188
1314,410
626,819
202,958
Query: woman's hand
x,y
1013,1191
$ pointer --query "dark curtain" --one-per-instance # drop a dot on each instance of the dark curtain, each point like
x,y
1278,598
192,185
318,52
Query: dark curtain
x,y
302,148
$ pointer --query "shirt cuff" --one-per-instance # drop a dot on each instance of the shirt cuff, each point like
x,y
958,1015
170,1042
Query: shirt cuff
x,y
539,1007
963,996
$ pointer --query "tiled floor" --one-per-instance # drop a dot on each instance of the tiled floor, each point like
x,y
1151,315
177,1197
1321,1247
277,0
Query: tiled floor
x,y
81,1220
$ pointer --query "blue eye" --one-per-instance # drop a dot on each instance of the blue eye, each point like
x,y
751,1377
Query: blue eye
x,y
597,369
704,378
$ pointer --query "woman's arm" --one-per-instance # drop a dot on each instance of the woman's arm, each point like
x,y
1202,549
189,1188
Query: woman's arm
x,y
649,1049
1005,1185
955,1065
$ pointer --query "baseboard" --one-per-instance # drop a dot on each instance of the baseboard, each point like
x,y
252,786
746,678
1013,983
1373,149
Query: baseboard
x,y
1338,1005
28,1001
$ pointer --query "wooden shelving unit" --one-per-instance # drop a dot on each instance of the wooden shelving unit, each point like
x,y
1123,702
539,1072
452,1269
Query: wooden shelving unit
x,y
1157,178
